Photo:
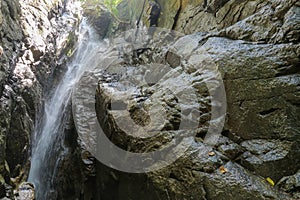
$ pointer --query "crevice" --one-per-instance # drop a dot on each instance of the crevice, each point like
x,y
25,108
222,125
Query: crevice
x,y
206,195
294,103
202,42
294,190
225,133
241,11
255,99
173,176
201,133
204,3
267,112
214,6
191,17
227,13
176,18
287,70
140,16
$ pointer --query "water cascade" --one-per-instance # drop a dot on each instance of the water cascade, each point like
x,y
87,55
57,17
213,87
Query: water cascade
x,y
48,142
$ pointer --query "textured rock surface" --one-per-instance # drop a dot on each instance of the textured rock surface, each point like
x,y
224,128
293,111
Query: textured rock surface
x,y
255,45
100,17
258,20
108,20
291,184
268,157
33,35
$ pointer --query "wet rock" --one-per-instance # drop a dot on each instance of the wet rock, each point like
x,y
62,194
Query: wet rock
x,y
5,191
269,158
229,148
213,6
2,191
202,15
70,180
255,111
26,191
238,183
102,24
262,86
33,33
202,167
261,95
291,184
289,32
101,19
20,128
273,20
268,21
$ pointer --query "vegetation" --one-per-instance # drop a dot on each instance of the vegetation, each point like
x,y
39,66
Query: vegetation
x,y
110,4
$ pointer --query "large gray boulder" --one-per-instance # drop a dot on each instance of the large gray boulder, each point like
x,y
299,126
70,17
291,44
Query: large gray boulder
x,y
259,91
252,46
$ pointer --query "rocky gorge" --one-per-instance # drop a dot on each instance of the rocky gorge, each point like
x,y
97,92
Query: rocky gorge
x,y
234,61
34,35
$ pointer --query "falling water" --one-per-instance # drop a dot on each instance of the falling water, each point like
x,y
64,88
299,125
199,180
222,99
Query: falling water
x,y
48,148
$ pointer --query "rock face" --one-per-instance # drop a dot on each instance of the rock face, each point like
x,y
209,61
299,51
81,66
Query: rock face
x,y
255,47
33,37
249,46
100,17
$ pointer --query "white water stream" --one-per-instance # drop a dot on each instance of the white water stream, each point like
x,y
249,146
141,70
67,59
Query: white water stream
x,y
48,143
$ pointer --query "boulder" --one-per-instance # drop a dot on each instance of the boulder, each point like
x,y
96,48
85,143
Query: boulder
x,y
271,158
255,143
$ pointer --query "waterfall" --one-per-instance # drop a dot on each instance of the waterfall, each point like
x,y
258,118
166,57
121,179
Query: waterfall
x,y
48,139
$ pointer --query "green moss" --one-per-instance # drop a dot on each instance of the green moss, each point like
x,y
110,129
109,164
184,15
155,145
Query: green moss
x,y
112,6
94,8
